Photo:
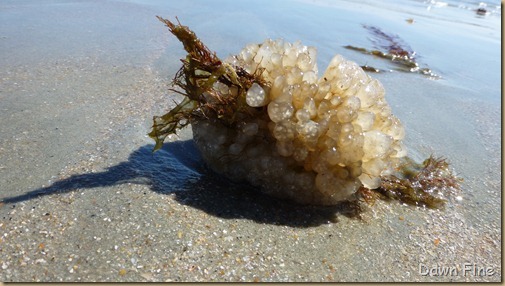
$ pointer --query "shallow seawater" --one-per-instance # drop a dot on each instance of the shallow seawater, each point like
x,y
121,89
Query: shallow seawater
x,y
443,116
85,199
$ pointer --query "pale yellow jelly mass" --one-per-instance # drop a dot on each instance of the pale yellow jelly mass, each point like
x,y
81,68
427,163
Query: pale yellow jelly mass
x,y
322,139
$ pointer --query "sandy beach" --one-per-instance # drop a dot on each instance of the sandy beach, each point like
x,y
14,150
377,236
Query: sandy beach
x,y
85,199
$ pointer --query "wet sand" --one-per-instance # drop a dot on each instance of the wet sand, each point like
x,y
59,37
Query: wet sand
x,y
84,198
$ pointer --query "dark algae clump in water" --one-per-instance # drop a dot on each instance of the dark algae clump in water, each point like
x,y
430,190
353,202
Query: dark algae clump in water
x,y
264,117
394,49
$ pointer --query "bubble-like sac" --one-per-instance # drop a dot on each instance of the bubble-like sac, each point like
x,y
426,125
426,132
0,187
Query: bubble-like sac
x,y
319,140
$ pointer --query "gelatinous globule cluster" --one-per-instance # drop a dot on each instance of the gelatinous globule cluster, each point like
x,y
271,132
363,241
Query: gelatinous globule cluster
x,y
319,139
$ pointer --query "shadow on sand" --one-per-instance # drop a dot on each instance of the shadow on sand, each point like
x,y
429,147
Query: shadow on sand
x,y
178,169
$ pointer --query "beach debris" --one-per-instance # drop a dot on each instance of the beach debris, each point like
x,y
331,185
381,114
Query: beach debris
x,y
481,11
392,48
263,116
370,69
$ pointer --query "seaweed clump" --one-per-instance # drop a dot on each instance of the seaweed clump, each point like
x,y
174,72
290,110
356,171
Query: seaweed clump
x,y
201,70
392,48
425,185
263,116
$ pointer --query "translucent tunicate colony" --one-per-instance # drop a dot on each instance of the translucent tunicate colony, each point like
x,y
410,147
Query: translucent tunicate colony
x,y
319,140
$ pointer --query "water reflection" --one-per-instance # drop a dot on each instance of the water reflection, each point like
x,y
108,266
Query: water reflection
x,y
178,169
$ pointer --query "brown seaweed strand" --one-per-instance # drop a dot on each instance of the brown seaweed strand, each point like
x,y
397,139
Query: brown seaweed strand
x,y
200,70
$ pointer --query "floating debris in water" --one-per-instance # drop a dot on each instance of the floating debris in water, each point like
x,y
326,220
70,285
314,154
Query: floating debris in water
x,y
482,11
370,69
263,116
